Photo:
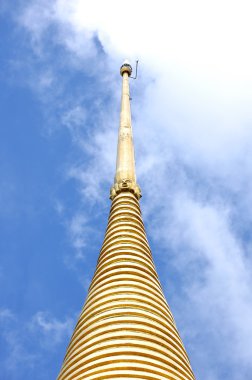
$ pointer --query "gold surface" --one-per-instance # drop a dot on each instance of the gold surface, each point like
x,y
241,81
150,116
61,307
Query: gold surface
x,y
125,177
126,329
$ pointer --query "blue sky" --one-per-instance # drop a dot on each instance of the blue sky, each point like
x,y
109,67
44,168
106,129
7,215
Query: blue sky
x,y
60,101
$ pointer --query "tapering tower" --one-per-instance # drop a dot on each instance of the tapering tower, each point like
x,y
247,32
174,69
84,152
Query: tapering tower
x,y
126,329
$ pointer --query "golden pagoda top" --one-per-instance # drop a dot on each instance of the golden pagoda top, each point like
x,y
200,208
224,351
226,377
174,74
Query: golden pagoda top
x,y
125,329
125,177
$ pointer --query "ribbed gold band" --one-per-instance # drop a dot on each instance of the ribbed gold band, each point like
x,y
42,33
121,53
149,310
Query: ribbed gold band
x,y
125,329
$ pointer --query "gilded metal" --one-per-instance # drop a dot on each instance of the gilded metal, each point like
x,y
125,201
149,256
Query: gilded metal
x,y
125,177
126,67
126,329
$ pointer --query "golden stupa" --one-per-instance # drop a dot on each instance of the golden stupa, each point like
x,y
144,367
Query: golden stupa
x,y
126,329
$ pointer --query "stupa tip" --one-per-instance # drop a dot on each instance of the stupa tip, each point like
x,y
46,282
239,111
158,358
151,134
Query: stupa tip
x,y
126,68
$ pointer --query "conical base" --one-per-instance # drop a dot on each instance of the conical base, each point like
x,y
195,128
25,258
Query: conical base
x,y
126,330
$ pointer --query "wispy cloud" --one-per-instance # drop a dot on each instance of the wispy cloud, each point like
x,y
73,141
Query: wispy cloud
x,y
14,352
78,228
24,343
74,118
51,331
215,279
6,314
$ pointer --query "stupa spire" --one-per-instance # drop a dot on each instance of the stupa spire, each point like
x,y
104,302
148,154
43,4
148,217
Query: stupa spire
x,y
125,177
125,329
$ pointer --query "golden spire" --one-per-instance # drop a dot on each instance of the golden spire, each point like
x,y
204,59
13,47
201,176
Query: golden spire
x,y
125,177
126,329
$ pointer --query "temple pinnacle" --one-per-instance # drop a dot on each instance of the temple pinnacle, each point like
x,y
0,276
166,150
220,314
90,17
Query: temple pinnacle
x,y
125,177
126,67
125,329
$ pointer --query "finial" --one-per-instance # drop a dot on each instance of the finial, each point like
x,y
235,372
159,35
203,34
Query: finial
x,y
126,68
125,177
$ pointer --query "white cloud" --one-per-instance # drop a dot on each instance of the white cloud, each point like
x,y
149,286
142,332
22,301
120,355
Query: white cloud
x,y
13,343
77,226
24,342
6,314
219,282
51,330
36,17
79,229
59,207
192,126
100,168
74,117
